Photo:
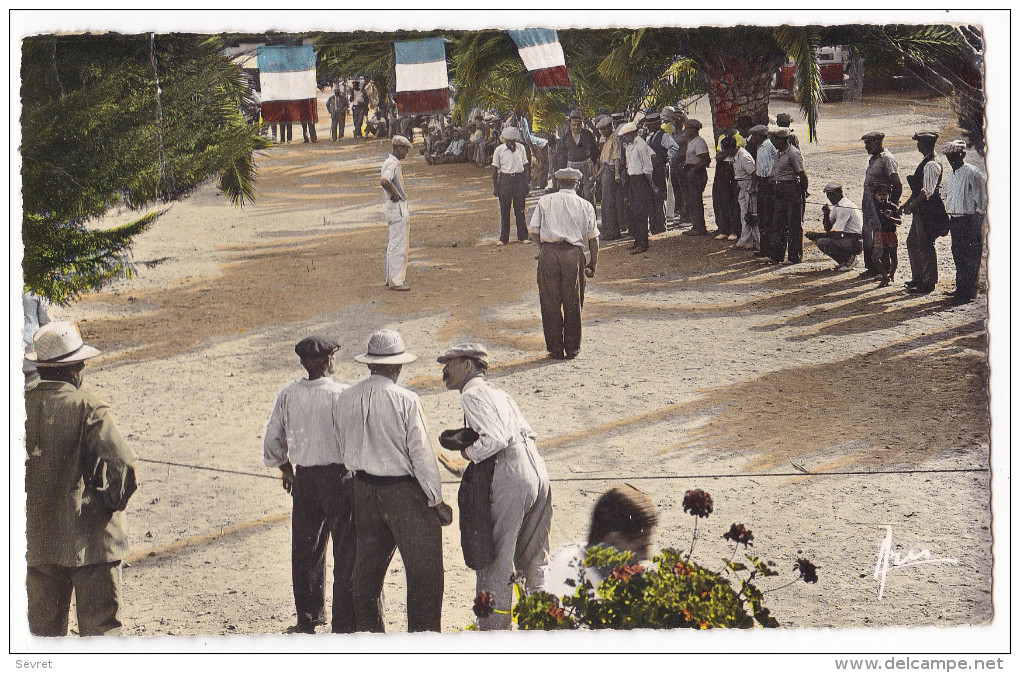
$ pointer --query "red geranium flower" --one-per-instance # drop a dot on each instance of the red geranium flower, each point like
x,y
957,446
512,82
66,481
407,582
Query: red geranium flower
x,y
483,604
623,572
682,569
698,503
808,570
740,534
559,614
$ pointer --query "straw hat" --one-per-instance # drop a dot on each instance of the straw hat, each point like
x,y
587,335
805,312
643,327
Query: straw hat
x,y
386,347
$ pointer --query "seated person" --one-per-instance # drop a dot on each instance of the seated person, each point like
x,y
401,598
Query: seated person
x,y
377,124
843,224
453,153
623,518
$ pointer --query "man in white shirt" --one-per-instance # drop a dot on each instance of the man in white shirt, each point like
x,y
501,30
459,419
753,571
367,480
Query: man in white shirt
x,y
966,203
301,441
398,503
563,224
643,191
520,500
510,183
695,176
395,210
744,176
843,224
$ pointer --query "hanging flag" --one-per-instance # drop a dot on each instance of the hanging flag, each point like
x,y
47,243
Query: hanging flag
x,y
422,85
287,79
542,54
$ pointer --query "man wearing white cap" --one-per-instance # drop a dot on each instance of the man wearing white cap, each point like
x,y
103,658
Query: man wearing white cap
x,y
563,224
398,502
643,192
395,210
79,476
510,183
519,503
966,204
843,224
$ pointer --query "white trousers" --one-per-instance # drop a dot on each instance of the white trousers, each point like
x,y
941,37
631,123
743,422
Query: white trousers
x,y
395,262
749,235
522,518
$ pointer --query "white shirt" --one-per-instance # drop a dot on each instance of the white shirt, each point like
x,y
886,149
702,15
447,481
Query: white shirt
x,y
300,427
766,160
382,432
743,168
455,148
391,171
494,416
639,157
564,216
510,162
930,177
965,191
846,217
695,147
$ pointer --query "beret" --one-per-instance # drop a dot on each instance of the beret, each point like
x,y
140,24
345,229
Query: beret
x,y
316,347
468,350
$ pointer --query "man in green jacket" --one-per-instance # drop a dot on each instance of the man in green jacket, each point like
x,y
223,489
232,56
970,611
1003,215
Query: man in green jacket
x,y
79,475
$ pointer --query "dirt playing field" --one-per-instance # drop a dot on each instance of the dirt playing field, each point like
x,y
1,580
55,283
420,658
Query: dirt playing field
x,y
700,367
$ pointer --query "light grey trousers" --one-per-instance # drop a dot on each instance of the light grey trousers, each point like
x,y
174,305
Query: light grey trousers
x,y
522,518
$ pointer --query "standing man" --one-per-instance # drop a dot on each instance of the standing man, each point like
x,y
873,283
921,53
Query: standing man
x,y
966,204
764,164
579,150
882,168
301,441
36,310
676,164
639,180
926,205
610,178
695,177
743,175
359,107
398,503
510,183
79,476
563,224
785,121
664,148
395,210
843,225
337,106
520,500
790,185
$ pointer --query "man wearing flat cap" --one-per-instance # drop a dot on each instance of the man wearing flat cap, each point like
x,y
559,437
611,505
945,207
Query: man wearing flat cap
x,y
695,177
563,225
519,505
664,148
398,501
966,205
395,210
640,184
928,211
842,220
610,176
579,150
882,169
789,188
300,439
510,178
785,120
79,476
765,193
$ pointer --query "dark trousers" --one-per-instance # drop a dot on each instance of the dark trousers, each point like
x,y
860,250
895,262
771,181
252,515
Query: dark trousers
x,y
359,112
561,294
724,201
512,190
642,200
967,245
96,591
286,133
675,177
323,508
694,190
337,124
657,213
766,208
924,266
610,195
308,130
842,250
787,222
388,517
870,217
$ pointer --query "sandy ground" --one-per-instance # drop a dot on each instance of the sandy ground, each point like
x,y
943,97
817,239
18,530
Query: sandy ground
x,y
697,362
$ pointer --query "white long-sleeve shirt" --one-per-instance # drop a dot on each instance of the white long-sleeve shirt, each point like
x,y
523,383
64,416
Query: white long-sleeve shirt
x,y
743,168
382,432
300,428
494,416
965,191
564,217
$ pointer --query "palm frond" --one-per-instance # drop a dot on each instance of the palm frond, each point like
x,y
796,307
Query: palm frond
x,y
801,45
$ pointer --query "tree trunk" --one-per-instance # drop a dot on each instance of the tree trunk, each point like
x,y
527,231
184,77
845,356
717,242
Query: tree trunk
x,y
855,84
739,87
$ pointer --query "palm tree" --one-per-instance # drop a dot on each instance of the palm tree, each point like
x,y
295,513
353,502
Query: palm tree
x,y
121,120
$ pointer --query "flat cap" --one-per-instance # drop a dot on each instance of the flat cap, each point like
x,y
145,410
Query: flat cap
x,y
954,146
784,119
779,132
618,116
873,135
316,346
831,187
568,174
926,135
629,127
693,123
468,350
760,129
400,141
652,118
510,133
604,122
576,114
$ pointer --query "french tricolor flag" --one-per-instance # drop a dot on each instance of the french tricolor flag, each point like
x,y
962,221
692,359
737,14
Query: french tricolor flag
x,y
542,54
287,78
422,84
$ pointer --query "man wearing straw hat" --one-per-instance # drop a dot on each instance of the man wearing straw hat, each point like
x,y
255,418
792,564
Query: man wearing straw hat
x,y
398,503
512,499
395,210
510,183
79,476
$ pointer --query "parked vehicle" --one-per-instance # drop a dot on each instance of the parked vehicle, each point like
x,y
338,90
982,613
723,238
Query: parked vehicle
x,y
832,63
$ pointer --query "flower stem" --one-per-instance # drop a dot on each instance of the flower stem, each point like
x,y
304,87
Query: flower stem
x,y
693,539
781,587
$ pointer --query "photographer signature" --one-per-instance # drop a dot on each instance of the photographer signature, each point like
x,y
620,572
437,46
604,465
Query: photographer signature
x,y
890,560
